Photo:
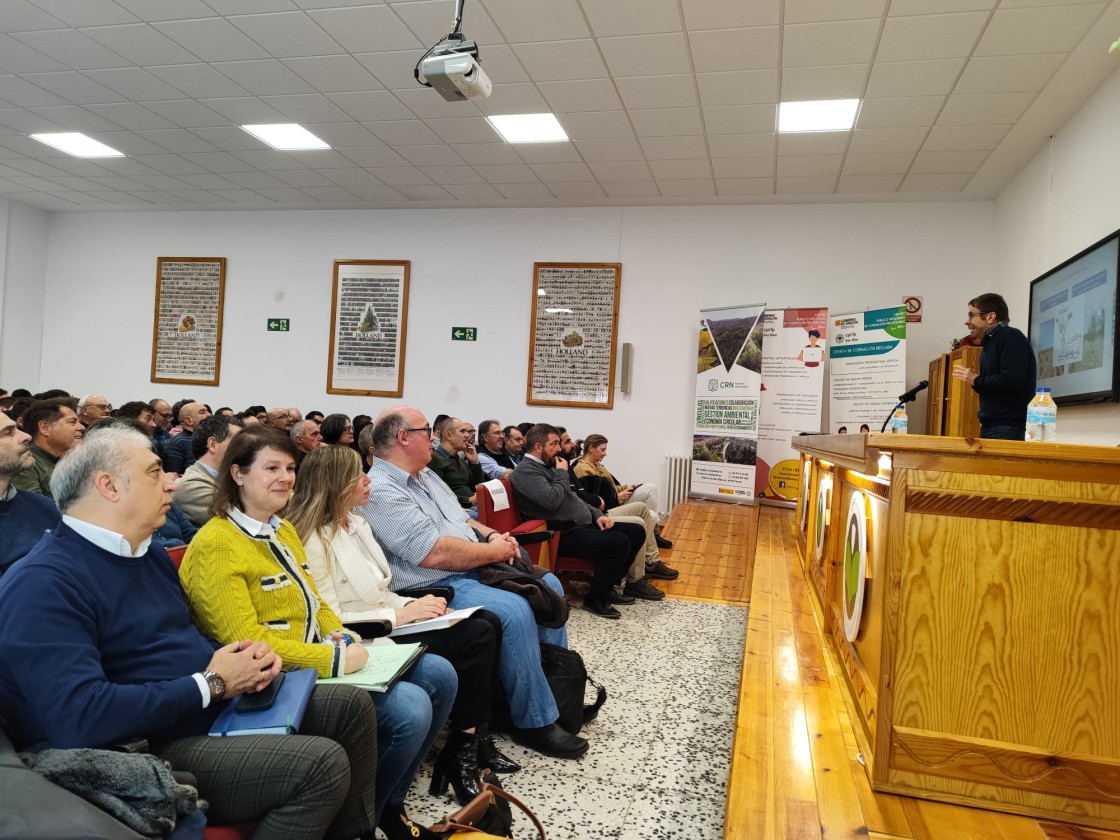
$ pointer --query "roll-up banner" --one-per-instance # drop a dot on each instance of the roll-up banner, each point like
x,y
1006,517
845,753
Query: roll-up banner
x,y
793,366
728,381
867,368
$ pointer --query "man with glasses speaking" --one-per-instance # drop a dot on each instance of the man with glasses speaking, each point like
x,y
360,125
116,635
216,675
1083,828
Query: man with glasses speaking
x,y
1006,380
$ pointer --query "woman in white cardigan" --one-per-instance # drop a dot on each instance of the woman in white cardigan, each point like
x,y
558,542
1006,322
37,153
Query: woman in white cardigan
x,y
353,576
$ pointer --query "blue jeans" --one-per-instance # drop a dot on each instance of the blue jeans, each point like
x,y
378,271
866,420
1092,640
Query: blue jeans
x,y
531,702
409,717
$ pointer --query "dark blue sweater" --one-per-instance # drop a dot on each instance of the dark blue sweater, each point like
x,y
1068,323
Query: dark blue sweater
x,y
96,647
1007,377
23,521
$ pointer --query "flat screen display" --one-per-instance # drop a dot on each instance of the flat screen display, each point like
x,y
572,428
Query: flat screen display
x,y
1073,326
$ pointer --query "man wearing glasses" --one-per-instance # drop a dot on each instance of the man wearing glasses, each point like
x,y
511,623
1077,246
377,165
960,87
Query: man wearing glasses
x,y
1006,380
492,456
92,408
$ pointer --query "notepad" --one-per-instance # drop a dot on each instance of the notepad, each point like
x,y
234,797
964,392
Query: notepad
x,y
283,717
386,665
440,622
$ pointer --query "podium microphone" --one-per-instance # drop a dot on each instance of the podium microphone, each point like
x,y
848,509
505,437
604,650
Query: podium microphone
x,y
913,392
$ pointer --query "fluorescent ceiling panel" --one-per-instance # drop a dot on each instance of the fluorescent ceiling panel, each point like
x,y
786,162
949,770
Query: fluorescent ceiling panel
x,y
77,145
286,136
821,115
528,128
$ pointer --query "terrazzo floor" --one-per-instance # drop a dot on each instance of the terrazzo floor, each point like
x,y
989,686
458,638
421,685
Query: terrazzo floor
x,y
661,745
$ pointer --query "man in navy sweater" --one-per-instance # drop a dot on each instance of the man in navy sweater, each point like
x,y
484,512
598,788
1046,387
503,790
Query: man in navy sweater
x,y
98,646
24,516
1007,369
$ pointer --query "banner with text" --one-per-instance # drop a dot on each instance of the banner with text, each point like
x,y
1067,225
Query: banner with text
x,y
867,368
728,380
793,365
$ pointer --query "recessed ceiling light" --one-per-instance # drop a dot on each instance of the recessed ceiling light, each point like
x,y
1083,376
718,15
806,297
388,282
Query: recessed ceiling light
x,y
528,128
822,115
286,136
77,145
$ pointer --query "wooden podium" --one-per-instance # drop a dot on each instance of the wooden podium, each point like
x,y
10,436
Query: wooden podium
x,y
952,406
983,665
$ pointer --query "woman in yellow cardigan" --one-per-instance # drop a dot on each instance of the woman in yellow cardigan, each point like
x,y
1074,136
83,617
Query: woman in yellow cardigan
x,y
246,576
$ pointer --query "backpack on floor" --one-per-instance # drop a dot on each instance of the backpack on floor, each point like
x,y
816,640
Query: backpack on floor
x,y
567,677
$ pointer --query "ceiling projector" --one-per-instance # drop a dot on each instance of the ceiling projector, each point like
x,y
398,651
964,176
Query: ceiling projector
x,y
453,70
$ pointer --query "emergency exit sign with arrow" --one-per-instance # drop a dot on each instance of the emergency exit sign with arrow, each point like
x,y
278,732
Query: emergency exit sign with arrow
x,y
464,333
278,324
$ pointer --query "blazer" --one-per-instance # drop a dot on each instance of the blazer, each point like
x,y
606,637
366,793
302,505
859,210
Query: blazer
x,y
354,587
194,492
546,493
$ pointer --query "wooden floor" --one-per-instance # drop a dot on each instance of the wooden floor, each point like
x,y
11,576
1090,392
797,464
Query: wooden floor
x,y
795,771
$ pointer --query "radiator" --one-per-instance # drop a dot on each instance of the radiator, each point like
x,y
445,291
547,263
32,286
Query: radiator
x,y
678,470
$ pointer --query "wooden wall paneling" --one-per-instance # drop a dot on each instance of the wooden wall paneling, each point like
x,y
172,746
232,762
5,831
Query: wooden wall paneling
x,y
935,401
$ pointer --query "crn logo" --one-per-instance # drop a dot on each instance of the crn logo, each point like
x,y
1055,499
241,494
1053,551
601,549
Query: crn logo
x,y
713,384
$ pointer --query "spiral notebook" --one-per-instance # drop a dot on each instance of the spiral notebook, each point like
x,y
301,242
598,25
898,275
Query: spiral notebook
x,y
386,665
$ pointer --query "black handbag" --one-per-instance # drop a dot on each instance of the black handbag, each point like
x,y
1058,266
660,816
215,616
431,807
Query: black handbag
x,y
567,677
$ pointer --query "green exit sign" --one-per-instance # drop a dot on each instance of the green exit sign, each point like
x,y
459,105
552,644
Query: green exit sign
x,y
464,334
278,324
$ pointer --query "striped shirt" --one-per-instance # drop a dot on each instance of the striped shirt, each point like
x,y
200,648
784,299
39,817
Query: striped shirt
x,y
408,515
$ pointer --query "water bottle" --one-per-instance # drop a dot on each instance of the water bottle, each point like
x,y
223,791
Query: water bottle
x,y
899,422
1042,417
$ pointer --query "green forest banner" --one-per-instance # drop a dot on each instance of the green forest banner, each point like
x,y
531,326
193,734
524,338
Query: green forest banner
x,y
728,383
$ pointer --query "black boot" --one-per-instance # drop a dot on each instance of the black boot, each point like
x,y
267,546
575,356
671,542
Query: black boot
x,y
396,825
661,541
490,756
457,763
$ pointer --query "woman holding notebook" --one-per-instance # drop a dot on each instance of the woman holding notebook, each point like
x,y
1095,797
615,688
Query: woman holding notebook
x,y
246,577
353,576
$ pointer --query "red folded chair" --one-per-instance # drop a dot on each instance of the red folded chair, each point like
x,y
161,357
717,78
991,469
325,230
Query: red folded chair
x,y
511,520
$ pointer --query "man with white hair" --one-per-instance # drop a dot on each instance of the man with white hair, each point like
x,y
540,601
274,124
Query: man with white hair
x,y
92,407
131,663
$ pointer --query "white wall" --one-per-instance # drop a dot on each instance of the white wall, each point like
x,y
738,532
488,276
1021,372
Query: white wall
x,y
23,257
474,268
1066,199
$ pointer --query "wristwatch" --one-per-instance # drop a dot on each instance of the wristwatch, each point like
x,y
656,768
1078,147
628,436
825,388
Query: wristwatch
x,y
216,684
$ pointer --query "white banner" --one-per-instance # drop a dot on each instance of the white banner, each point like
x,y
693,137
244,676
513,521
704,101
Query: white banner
x,y
793,365
728,380
867,367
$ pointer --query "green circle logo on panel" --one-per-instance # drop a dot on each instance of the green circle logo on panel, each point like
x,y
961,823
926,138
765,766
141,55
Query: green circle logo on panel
x,y
855,564
820,527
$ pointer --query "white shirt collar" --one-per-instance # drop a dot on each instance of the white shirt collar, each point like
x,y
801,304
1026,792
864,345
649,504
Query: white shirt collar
x,y
213,472
11,493
255,528
534,457
111,541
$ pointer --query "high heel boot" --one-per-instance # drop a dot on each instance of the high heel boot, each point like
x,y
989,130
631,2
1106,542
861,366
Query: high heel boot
x,y
457,764
396,825
490,756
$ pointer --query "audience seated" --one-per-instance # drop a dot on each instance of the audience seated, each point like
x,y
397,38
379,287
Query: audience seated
x,y
161,414
307,437
430,541
279,418
24,516
140,412
365,446
592,464
245,575
456,462
195,489
337,430
544,491
177,452
131,663
92,407
353,577
514,443
492,455
55,429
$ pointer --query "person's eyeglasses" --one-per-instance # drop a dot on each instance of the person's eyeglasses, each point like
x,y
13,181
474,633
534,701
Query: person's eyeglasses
x,y
427,430
102,406
166,415
495,434
981,314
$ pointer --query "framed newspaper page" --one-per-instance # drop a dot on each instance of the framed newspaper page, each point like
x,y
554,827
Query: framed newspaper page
x,y
187,333
573,335
369,319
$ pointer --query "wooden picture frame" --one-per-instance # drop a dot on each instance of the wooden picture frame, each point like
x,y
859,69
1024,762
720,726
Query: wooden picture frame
x,y
369,327
187,326
574,333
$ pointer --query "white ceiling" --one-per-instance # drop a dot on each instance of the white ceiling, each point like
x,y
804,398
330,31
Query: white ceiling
x,y
666,101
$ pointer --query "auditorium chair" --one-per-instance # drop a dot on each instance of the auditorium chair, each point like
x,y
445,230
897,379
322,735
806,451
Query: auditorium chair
x,y
531,534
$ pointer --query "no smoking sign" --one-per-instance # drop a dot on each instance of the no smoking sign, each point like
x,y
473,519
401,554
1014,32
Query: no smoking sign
x,y
913,304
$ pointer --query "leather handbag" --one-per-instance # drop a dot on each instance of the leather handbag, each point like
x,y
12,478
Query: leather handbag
x,y
568,678
490,806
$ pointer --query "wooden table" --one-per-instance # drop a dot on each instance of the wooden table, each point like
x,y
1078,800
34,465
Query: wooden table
x,y
985,667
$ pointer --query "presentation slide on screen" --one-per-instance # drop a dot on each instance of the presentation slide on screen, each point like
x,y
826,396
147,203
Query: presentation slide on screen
x,y
1072,324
